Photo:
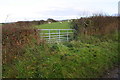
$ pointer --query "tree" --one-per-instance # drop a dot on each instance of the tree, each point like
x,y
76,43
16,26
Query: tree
x,y
51,20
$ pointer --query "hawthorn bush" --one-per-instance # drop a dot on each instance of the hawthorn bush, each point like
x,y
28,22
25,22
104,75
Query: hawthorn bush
x,y
14,37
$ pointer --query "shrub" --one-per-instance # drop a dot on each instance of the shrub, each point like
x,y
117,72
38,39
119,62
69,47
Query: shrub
x,y
97,26
14,37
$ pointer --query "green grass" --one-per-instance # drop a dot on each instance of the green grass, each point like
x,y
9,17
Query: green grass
x,y
88,57
55,25
68,60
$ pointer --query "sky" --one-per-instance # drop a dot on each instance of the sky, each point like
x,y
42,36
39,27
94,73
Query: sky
x,y
28,10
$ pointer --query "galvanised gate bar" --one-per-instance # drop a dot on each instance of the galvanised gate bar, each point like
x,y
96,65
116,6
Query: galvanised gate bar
x,y
56,35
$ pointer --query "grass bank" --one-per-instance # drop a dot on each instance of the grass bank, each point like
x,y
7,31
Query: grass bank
x,y
67,60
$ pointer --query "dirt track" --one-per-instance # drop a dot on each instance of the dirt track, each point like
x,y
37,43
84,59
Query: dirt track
x,y
113,73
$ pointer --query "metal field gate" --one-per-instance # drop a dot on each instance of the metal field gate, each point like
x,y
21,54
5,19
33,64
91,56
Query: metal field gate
x,y
56,35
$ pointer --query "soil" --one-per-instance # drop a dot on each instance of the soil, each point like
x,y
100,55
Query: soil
x,y
113,73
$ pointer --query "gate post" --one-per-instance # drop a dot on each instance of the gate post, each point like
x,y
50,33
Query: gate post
x,y
49,34
67,35
59,34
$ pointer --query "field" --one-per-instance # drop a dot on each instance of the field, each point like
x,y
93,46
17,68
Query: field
x,y
89,55
55,25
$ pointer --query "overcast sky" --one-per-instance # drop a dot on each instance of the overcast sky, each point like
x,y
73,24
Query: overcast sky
x,y
19,10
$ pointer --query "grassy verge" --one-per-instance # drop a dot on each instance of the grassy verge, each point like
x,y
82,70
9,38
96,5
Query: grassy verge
x,y
67,60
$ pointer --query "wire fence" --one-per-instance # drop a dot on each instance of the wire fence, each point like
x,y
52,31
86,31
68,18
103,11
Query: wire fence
x,y
56,35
